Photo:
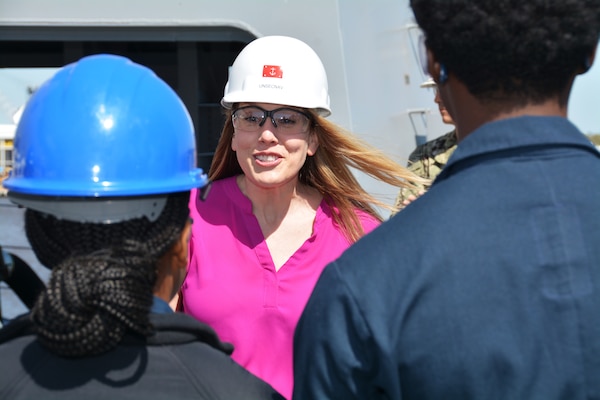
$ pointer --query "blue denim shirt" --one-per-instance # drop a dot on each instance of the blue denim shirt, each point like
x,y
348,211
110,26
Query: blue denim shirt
x,y
486,287
159,306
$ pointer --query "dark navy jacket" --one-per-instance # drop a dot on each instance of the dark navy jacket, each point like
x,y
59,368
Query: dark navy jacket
x,y
486,287
184,359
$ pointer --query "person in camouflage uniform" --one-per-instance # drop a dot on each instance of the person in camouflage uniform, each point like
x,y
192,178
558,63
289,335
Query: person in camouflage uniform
x,y
428,159
4,172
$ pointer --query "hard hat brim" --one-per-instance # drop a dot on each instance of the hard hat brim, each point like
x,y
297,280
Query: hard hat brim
x,y
429,83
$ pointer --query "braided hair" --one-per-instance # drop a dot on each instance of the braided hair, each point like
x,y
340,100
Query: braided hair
x,y
103,276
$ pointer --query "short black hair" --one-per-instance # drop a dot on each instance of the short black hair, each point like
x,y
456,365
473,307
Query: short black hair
x,y
522,50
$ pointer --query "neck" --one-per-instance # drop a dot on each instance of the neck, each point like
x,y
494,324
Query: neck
x,y
273,204
469,113
165,287
549,109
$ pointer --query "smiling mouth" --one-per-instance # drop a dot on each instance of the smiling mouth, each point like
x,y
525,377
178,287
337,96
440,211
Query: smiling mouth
x,y
266,158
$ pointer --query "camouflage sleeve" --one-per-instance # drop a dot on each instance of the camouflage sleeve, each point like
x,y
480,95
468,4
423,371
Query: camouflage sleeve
x,y
406,192
427,161
403,195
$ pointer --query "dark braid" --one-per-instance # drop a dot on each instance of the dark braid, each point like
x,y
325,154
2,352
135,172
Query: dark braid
x,y
102,278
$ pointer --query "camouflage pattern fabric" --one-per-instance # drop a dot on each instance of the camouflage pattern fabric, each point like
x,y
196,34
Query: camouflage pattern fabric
x,y
3,175
427,161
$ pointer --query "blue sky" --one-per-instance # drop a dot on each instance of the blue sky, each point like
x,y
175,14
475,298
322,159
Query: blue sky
x,y
13,88
584,103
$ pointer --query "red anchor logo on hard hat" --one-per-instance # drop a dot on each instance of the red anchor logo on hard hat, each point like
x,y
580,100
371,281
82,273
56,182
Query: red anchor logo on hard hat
x,y
272,71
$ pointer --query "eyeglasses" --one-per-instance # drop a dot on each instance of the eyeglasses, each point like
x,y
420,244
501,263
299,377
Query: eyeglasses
x,y
288,120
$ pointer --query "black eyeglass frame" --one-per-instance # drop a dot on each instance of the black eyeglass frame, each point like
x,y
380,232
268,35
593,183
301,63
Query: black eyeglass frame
x,y
270,113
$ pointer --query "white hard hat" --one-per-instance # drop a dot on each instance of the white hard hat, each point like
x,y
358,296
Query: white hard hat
x,y
278,70
428,83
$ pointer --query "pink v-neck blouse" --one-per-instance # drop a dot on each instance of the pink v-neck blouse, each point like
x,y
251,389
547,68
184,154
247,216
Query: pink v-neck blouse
x,y
233,286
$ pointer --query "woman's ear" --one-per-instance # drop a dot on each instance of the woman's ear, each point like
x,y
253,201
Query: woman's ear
x,y
172,267
180,248
313,143
233,142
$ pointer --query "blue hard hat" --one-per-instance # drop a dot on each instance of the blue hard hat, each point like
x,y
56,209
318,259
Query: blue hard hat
x,y
104,127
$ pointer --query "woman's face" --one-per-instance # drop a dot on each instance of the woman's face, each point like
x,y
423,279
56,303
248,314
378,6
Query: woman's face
x,y
443,112
272,156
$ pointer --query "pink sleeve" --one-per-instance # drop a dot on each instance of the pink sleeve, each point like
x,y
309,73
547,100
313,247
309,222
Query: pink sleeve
x,y
368,222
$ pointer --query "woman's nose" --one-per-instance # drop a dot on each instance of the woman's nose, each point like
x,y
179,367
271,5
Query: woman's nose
x,y
267,132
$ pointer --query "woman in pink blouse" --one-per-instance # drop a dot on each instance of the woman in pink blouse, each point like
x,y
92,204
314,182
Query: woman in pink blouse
x,y
282,205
